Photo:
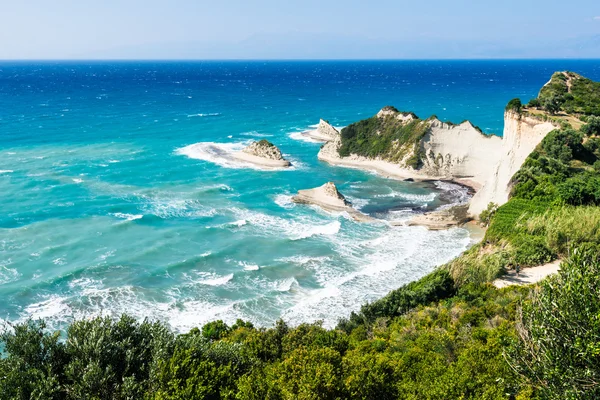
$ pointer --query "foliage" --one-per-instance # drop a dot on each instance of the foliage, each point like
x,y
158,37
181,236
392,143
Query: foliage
x,y
487,214
559,332
514,105
572,93
592,127
387,137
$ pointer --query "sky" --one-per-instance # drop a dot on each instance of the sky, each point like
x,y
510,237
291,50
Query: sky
x,y
292,29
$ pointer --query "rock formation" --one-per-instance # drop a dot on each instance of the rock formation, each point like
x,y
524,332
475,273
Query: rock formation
x,y
263,153
330,199
325,132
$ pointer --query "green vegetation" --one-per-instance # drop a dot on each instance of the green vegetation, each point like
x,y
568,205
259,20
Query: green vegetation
x,y
265,142
514,105
486,215
558,329
571,93
388,137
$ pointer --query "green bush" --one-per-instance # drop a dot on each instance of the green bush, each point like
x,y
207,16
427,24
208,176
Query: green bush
x,y
558,347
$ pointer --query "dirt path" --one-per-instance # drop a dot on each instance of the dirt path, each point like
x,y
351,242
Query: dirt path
x,y
527,275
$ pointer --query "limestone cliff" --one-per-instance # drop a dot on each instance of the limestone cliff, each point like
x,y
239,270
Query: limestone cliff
x,y
329,198
521,135
431,149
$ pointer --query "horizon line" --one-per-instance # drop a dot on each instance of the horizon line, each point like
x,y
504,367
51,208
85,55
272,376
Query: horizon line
x,y
289,59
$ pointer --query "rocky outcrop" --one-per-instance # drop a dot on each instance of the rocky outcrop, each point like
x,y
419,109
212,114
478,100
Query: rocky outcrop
x,y
263,153
264,149
325,132
460,153
330,199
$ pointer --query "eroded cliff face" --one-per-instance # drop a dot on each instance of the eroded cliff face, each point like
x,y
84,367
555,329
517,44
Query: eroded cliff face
x,y
326,130
264,149
521,136
459,153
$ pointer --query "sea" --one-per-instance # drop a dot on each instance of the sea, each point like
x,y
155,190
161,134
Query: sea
x,y
107,207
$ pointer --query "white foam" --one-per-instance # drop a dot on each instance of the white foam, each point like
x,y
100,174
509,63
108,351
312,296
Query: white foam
x,y
417,198
255,134
206,254
77,180
217,281
178,208
128,217
248,266
8,274
328,229
6,171
303,137
286,285
284,201
204,115
239,223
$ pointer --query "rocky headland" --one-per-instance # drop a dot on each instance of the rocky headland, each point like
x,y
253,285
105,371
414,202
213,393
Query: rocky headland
x,y
264,154
400,145
330,199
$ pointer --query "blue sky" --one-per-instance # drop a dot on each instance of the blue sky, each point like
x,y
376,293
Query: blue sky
x,y
152,29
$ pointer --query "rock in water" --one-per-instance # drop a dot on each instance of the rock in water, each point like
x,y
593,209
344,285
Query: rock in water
x,y
263,153
330,199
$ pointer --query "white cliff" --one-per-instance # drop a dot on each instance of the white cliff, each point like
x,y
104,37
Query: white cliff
x,y
329,199
459,153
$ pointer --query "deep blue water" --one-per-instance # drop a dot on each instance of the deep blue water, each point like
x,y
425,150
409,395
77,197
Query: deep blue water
x,y
106,209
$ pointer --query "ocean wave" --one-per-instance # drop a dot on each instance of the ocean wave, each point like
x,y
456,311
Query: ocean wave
x,y
286,285
216,281
6,171
255,134
284,201
204,115
8,274
319,230
128,217
248,266
178,208
416,198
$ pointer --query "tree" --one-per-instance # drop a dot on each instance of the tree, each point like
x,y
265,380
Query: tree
x,y
592,127
553,104
559,332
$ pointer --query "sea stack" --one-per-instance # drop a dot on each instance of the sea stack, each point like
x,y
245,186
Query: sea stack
x,y
264,154
329,199
325,132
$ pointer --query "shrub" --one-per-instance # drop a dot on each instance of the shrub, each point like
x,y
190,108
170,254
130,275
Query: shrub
x,y
592,127
514,105
487,214
558,330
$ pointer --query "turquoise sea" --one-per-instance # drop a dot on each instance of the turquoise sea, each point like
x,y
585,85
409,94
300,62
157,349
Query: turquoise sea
x,y
105,209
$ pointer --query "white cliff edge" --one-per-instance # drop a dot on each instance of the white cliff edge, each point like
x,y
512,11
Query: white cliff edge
x,y
458,153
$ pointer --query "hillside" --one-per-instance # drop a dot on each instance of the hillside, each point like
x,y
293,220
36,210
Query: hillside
x,y
570,93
